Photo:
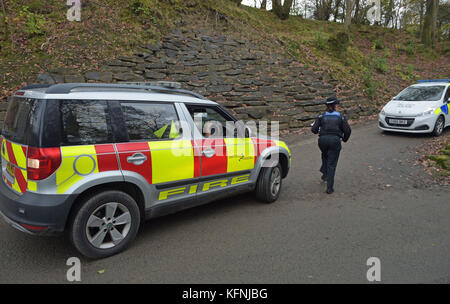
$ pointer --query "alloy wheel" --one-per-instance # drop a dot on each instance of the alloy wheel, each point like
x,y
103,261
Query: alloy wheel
x,y
108,225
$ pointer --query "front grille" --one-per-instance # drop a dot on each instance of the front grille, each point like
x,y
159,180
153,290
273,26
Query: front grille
x,y
409,121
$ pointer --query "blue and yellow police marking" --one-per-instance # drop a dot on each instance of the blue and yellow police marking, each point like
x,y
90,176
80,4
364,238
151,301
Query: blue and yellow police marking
x,y
443,109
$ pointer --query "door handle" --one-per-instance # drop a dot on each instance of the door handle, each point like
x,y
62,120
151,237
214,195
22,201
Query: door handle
x,y
137,158
208,153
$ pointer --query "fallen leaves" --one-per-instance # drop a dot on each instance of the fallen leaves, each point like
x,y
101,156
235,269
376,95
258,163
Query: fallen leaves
x,y
433,146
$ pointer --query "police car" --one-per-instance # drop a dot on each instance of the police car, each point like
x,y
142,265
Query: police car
x,y
420,108
97,160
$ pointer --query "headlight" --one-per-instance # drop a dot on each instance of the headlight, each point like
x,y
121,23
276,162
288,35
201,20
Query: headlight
x,y
383,112
427,112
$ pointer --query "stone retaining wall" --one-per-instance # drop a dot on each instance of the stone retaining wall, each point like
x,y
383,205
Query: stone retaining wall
x,y
246,78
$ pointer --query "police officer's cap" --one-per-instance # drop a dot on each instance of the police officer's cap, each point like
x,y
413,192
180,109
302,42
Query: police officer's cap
x,y
332,100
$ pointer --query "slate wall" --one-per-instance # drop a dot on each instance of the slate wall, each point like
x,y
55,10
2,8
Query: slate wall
x,y
250,80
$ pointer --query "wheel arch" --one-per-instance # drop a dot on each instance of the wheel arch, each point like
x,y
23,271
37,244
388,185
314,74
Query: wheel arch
x,y
268,153
129,188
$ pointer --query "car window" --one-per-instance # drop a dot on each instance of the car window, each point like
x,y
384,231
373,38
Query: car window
x,y
209,121
85,122
150,121
22,118
447,95
421,93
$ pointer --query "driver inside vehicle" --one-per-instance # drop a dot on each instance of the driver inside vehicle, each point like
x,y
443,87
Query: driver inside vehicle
x,y
211,129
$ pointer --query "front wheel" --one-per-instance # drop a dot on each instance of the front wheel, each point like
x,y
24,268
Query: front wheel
x,y
439,126
269,184
105,224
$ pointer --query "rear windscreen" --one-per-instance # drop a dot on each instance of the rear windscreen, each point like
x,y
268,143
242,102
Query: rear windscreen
x,y
22,120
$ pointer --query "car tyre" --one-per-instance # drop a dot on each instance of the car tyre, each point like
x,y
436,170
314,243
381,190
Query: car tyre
x,y
111,215
268,186
439,126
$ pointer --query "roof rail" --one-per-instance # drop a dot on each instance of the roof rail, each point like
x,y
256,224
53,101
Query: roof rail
x,y
35,86
165,84
66,88
433,80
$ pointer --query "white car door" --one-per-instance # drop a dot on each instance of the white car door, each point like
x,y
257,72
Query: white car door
x,y
446,100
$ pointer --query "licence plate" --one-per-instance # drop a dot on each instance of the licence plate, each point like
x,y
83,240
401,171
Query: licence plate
x,y
10,168
398,121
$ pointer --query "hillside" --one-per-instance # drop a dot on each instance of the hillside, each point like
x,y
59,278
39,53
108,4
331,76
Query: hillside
x,y
115,37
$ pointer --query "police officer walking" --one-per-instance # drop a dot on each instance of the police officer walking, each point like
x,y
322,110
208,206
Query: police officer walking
x,y
332,127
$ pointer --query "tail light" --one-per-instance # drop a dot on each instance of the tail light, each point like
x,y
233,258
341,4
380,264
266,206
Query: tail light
x,y
42,162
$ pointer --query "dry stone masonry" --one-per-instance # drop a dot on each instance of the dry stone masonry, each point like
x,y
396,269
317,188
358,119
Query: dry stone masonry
x,y
248,80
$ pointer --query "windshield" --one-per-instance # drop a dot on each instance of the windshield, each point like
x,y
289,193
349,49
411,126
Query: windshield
x,y
421,93
21,120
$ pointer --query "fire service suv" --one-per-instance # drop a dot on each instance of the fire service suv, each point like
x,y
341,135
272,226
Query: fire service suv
x,y
96,160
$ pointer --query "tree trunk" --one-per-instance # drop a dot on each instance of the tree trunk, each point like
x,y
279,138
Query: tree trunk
x,y
357,18
388,15
434,23
336,10
429,26
4,24
421,3
349,4
264,4
282,10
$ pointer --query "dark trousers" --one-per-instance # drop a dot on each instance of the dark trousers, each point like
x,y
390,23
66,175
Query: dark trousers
x,y
330,145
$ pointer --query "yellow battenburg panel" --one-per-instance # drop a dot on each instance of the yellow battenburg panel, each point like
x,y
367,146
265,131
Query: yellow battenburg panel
x,y
21,161
280,143
240,154
81,158
21,158
171,160
4,151
32,186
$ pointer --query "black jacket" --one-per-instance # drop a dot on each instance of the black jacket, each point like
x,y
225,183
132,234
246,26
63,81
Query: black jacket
x,y
332,124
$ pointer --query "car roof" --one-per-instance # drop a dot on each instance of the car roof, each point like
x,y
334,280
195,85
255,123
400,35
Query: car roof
x,y
427,84
126,92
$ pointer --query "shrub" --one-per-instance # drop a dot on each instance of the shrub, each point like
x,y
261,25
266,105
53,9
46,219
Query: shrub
x,y
139,8
411,49
35,24
381,65
378,44
370,84
339,42
320,42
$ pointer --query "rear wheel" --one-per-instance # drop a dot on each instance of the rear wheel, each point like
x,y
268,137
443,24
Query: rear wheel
x,y
439,126
269,184
105,224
